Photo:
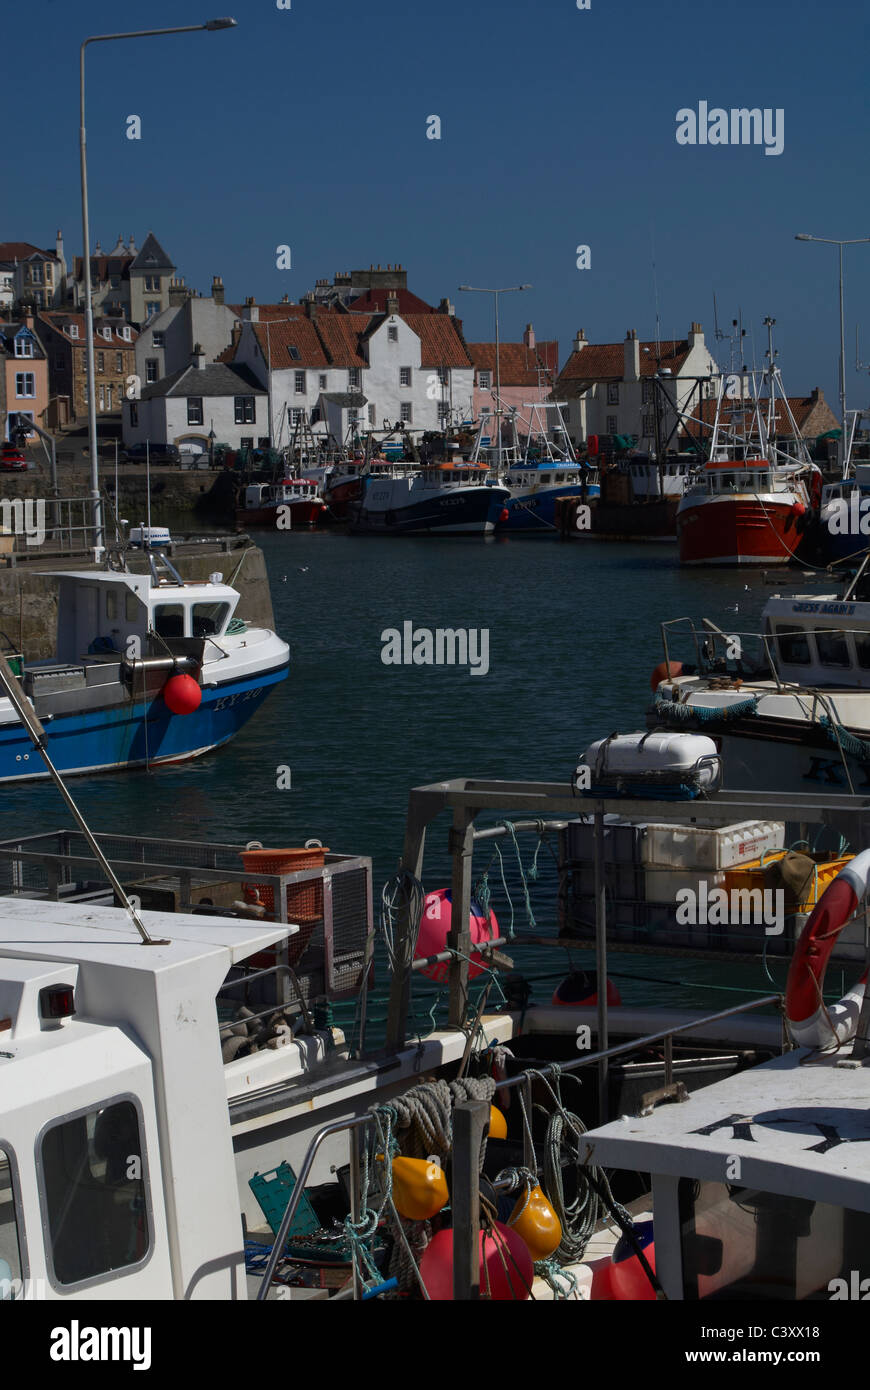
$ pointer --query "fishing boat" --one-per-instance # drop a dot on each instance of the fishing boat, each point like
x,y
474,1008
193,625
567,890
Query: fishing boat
x,y
753,499
545,471
290,504
789,705
148,669
452,498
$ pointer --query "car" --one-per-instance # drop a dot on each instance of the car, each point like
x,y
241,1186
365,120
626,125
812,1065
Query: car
x,y
159,453
12,459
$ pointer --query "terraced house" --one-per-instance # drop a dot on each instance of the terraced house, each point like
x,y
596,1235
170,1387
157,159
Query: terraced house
x,y
38,276
24,367
114,361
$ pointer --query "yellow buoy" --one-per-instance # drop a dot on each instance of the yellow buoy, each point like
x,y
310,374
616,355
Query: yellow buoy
x,y
538,1225
419,1188
497,1123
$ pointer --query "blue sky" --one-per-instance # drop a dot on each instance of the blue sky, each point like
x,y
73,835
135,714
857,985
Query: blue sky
x,y
307,127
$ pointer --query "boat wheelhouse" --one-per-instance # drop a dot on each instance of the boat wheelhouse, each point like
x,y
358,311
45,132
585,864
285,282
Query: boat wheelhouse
x,y
293,502
450,498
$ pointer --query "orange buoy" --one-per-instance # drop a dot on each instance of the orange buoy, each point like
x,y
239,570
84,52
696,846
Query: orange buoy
x,y
182,694
497,1123
666,670
419,1188
536,1224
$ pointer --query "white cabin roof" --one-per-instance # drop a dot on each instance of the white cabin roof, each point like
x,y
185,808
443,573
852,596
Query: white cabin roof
x,y
798,1129
144,587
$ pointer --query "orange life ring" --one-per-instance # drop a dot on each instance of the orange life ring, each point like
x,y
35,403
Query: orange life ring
x,y
812,1024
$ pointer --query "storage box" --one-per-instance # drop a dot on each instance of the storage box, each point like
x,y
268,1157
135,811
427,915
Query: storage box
x,y
663,885
622,840
709,846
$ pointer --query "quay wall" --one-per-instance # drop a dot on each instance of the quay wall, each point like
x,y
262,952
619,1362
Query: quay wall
x,y
29,592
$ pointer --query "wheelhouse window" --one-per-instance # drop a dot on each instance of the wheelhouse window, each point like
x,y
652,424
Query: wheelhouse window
x,y
169,620
10,1240
194,410
244,410
833,649
862,650
794,646
209,619
93,1191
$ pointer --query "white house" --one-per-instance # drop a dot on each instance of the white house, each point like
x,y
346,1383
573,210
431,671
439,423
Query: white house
x,y
610,387
167,340
412,368
202,401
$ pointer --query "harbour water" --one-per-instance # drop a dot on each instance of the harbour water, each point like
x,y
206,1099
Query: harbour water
x,y
573,638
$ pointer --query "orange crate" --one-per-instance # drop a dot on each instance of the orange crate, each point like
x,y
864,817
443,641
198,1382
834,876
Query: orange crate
x,y
304,900
749,876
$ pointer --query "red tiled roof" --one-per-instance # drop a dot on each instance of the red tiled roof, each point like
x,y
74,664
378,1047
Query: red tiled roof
x,y
374,301
22,251
441,340
801,408
103,267
269,312
60,320
518,365
605,361
301,334
340,335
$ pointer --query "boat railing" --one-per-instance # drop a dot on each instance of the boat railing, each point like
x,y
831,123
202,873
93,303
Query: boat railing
x,y
466,1148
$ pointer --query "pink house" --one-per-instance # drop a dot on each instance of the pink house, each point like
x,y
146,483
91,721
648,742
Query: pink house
x,y
527,370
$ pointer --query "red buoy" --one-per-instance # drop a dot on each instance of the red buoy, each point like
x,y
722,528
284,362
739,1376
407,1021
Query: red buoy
x,y
182,694
580,989
504,514
506,1269
665,671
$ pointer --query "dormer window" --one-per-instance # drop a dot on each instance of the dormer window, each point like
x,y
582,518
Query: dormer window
x,y
107,334
73,330
23,347
125,333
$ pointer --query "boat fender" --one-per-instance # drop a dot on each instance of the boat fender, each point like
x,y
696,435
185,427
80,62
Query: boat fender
x,y
666,670
182,694
810,1023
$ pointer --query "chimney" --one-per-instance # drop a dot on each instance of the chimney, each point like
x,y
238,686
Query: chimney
x,y
217,289
285,299
251,312
197,357
696,336
28,317
631,357
177,292
445,307
311,309
529,336
392,302
58,246
580,340
131,245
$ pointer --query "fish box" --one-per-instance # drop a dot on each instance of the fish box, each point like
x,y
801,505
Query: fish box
x,y
712,847
622,840
663,885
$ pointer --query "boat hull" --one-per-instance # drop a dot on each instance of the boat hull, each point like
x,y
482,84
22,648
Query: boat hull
x,y
535,511
141,733
743,530
302,514
465,511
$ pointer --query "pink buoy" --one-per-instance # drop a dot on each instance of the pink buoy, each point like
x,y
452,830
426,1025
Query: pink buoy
x,y
434,926
506,1269
182,694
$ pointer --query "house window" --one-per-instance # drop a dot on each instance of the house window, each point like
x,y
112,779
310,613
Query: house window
x,y
371,414
119,361
611,425
612,393
392,333
293,352
134,414
299,383
48,273
25,384
157,340
646,393
36,274
101,361
407,412
353,377
484,380
246,441
73,330
322,381
125,332
109,393
194,410
150,370
152,308
443,411
443,376
353,417
152,283
23,347
102,397
244,410
649,426
94,1198
404,376
115,282
296,417
107,334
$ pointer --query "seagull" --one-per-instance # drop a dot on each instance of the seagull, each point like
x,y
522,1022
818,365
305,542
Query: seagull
x,y
733,608
303,569
746,589
283,579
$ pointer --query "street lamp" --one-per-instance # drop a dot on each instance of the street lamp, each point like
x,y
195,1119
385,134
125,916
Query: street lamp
x,y
510,289
832,241
89,308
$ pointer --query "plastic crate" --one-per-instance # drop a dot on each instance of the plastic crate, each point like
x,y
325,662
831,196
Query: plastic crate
x,y
273,1191
304,900
710,846
750,876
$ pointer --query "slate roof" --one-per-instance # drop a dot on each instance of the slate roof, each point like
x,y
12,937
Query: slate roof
x,y
9,331
214,379
102,267
58,320
518,363
353,400
152,257
606,361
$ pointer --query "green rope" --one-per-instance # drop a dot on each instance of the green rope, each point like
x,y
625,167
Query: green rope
x,y
673,713
850,743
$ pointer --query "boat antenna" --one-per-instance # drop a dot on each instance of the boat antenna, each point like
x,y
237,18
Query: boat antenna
x,y
33,725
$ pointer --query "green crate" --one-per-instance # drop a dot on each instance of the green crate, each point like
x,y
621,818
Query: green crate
x,y
273,1191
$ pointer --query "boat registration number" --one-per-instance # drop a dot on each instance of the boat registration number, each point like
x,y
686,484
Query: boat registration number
x,y
227,701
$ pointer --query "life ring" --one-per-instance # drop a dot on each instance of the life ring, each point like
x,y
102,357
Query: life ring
x,y
810,1022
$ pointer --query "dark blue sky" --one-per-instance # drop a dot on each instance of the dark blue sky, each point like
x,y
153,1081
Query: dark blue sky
x,y
308,127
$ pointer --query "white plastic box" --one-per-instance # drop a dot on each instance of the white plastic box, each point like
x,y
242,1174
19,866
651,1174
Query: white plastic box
x,y
710,847
662,885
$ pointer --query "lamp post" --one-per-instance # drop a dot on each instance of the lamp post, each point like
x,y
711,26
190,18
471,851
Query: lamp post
x,y
510,289
833,241
210,24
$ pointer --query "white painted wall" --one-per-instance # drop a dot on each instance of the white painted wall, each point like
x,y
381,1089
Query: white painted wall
x,y
163,420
